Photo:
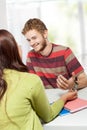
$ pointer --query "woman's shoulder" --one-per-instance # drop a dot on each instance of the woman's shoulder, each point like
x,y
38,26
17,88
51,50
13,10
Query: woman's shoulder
x,y
30,76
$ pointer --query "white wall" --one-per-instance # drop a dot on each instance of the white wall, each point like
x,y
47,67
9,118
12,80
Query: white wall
x,y
3,18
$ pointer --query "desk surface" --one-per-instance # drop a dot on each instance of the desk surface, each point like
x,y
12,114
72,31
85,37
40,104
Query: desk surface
x,y
73,121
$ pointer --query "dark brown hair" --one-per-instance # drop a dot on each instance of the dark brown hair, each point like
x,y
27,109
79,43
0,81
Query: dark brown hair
x,y
9,57
36,24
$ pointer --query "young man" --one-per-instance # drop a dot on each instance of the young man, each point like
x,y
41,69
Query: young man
x,y
56,65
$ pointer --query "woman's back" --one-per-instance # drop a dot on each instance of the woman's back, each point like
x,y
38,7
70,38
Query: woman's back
x,y
16,111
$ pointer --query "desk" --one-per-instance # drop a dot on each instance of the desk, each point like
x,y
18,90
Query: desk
x,y
73,121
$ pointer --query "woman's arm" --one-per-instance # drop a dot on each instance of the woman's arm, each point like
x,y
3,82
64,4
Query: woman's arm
x,y
42,106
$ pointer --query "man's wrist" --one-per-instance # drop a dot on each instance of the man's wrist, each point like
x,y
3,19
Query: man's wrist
x,y
75,85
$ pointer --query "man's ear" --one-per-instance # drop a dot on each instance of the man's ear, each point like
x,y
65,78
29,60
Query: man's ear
x,y
45,34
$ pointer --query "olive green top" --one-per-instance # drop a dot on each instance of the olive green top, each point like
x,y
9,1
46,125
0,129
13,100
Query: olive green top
x,y
25,102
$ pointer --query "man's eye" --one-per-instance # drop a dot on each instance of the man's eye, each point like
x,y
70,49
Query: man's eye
x,y
34,38
28,40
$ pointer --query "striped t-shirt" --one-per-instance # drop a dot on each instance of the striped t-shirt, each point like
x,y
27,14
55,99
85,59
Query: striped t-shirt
x,y
61,60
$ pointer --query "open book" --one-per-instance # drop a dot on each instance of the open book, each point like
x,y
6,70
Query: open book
x,y
76,105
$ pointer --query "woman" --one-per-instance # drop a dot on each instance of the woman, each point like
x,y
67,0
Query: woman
x,y
23,101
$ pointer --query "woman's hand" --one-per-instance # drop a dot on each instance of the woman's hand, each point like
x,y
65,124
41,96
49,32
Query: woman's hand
x,y
70,95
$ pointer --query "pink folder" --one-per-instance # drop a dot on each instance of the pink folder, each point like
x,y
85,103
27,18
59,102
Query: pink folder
x,y
76,105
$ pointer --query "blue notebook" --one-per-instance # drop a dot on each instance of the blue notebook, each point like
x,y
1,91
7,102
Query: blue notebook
x,y
64,112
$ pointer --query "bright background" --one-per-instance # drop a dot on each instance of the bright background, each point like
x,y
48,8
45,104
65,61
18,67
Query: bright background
x,y
66,21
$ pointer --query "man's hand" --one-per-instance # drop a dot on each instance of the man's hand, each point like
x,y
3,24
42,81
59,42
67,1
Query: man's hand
x,y
82,80
63,83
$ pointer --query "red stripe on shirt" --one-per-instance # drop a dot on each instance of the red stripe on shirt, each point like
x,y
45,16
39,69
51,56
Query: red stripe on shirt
x,y
48,75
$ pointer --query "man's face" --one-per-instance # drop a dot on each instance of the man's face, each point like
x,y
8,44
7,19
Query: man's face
x,y
36,40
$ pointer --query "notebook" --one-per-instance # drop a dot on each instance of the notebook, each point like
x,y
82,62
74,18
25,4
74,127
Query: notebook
x,y
64,112
76,105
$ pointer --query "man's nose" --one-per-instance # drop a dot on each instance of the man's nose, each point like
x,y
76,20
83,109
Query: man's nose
x,y
31,42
